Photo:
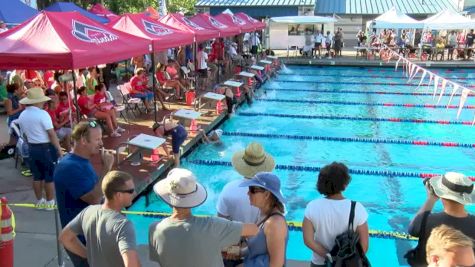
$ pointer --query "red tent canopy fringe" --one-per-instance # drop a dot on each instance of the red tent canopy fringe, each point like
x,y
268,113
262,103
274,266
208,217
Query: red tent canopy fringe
x,y
180,22
161,35
66,40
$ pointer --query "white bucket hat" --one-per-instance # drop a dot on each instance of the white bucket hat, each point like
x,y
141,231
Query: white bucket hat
x,y
454,186
180,189
33,96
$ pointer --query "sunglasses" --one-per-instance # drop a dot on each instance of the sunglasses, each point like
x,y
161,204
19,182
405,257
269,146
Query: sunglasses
x,y
255,190
128,191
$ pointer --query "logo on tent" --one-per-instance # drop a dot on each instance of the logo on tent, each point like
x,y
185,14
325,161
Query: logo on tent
x,y
155,29
92,34
216,23
192,24
237,20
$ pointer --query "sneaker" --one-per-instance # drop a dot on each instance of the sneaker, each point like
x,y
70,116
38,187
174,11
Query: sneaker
x,y
116,134
119,129
50,205
40,204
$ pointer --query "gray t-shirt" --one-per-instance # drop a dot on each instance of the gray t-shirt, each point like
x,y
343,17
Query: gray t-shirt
x,y
108,234
465,225
194,242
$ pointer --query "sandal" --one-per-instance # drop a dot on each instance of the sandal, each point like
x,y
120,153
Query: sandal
x,y
26,173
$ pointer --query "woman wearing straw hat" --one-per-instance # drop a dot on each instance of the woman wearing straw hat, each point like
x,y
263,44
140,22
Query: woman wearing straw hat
x,y
43,144
455,190
186,240
268,247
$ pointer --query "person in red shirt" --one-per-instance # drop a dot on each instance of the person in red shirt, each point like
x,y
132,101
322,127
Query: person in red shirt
x,y
165,81
61,127
139,88
101,100
91,110
217,48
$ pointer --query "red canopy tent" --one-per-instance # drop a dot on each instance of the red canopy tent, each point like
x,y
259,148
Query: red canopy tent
x,y
161,35
233,20
180,22
65,40
207,21
101,11
258,24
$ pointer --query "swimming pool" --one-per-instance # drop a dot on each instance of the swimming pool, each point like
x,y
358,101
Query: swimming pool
x,y
311,116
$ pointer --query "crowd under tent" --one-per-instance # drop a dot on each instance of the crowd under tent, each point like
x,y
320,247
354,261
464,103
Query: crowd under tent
x,y
288,31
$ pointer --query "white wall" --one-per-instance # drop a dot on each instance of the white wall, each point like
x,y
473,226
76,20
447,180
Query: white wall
x,y
280,39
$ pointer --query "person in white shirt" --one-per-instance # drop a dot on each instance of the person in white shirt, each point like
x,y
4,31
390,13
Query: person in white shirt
x,y
318,39
202,60
233,202
44,148
255,42
327,217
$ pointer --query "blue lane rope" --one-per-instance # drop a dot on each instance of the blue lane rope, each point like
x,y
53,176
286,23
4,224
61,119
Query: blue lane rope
x,y
356,92
349,103
384,173
297,116
351,139
363,76
349,83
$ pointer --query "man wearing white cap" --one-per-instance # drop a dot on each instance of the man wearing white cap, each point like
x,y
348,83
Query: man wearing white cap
x,y
455,190
43,145
183,239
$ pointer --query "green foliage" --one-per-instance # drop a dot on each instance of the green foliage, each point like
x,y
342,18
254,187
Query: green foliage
x,y
131,6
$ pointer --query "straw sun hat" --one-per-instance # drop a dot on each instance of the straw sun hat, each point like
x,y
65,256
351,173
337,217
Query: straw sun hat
x,y
454,186
252,160
33,96
180,189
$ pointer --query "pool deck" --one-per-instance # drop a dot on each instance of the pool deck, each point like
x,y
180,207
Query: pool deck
x,y
35,242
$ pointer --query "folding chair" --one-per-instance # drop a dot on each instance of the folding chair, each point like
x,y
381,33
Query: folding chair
x,y
118,108
21,149
129,102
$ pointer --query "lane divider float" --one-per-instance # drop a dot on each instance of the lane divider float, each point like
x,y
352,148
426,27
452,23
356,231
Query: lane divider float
x,y
328,117
385,173
358,92
352,139
349,103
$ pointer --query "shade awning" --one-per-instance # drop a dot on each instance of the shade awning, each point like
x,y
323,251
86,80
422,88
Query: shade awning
x,y
161,35
394,19
208,21
101,11
259,25
233,20
185,24
448,20
14,12
66,40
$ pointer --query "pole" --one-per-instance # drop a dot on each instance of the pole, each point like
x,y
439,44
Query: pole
x,y
75,101
154,84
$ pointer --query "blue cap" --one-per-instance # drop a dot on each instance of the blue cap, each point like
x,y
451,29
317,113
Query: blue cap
x,y
267,181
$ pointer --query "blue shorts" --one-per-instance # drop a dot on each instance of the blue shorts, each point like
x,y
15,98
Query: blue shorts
x,y
43,158
147,95
178,137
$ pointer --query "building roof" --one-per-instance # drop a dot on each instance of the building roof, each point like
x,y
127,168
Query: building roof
x,y
216,3
362,7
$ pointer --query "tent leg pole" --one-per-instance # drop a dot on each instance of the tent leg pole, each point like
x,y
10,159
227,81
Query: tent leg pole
x,y
154,85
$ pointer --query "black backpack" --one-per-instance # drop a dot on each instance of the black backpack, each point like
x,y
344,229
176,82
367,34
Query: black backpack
x,y
416,257
347,251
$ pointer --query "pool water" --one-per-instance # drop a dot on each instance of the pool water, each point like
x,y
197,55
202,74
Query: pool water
x,y
391,200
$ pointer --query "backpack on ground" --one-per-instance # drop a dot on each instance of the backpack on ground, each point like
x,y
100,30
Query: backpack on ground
x,y
347,251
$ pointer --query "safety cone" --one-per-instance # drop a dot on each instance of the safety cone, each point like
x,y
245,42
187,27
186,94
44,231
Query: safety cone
x,y
6,235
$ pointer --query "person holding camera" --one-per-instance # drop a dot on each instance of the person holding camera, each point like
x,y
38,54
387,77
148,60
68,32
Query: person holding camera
x,y
455,190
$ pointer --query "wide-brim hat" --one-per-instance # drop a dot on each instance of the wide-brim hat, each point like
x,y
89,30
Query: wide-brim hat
x,y
180,189
268,181
33,96
454,186
252,160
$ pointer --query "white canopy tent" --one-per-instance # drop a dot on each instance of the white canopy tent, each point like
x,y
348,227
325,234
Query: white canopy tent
x,y
394,19
448,20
